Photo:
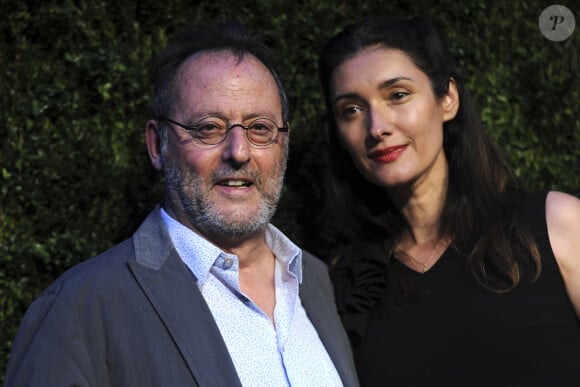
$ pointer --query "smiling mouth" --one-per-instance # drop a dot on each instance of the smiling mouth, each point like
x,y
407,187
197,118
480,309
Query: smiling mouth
x,y
235,183
387,151
389,154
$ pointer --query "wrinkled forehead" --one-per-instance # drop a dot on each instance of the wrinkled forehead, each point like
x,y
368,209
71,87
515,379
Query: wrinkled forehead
x,y
209,60
219,82
212,56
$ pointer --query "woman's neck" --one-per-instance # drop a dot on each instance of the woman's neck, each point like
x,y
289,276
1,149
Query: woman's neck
x,y
421,204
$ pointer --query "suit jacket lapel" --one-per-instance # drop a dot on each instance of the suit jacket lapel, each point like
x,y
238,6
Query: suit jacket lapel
x,y
318,302
172,291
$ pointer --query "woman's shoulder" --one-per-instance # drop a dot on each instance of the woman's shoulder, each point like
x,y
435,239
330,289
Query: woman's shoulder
x,y
562,209
354,260
563,223
358,275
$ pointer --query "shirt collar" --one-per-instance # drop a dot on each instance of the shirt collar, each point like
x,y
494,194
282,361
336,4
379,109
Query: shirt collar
x,y
199,254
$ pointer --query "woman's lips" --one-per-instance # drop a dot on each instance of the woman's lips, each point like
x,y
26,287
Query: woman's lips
x,y
388,155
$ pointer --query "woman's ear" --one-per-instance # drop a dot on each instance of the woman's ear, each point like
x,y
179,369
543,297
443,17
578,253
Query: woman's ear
x,y
450,101
153,144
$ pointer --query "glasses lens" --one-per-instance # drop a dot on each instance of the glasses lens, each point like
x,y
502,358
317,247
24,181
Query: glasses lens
x,y
211,130
262,131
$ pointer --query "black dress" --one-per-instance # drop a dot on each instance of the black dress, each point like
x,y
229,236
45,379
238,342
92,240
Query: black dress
x,y
450,331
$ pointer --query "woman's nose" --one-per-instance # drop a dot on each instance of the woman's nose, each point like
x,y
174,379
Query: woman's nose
x,y
379,123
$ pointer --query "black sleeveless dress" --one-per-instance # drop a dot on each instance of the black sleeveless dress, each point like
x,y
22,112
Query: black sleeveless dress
x,y
450,331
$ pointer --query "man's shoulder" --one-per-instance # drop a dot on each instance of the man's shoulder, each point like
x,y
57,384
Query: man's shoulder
x,y
106,262
315,275
313,262
105,269
111,265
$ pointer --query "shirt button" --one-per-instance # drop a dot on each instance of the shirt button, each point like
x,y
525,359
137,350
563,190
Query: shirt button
x,y
228,262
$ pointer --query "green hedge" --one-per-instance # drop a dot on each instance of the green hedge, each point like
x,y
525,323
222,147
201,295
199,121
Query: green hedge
x,y
74,96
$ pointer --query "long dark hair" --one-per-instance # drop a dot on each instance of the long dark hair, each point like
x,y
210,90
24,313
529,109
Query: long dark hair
x,y
479,213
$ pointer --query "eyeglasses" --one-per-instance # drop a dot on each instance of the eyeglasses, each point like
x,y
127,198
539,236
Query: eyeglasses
x,y
213,130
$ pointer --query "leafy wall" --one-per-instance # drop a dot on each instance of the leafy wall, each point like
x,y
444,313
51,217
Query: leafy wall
x,y
74,97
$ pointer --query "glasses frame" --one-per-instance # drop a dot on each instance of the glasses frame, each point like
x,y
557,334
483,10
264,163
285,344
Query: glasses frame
x,y
193,129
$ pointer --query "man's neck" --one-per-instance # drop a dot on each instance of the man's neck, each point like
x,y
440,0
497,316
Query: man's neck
x,y
257,279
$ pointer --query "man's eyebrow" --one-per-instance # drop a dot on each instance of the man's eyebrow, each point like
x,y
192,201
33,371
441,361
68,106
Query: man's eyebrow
x,y
383,85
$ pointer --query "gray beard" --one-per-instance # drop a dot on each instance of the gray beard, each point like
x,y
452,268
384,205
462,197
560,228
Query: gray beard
x,y
208,218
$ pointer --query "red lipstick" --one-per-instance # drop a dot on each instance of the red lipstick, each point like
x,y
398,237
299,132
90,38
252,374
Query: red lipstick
x,y
388,155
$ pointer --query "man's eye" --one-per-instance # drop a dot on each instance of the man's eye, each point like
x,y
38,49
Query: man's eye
x,y
208,128
260,128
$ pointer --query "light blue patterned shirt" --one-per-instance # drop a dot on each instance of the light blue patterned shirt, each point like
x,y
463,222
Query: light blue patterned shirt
x,y
289,353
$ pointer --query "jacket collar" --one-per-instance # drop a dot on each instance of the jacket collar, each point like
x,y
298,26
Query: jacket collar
x,y
171,290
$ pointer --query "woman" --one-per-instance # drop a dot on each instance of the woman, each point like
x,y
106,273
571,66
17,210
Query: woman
x,y
451,276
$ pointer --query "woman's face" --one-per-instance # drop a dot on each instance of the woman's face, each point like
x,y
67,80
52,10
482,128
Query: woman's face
x,y
389,120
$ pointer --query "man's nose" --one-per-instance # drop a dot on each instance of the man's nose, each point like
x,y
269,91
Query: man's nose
x,y
236,146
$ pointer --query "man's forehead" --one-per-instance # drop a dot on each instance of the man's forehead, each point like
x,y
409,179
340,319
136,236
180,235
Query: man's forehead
x,y
210,79
213,57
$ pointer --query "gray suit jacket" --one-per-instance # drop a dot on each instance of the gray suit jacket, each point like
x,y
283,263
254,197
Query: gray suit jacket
x,y
133,316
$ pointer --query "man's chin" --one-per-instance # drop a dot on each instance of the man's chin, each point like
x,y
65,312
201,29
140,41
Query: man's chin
x,y
235,222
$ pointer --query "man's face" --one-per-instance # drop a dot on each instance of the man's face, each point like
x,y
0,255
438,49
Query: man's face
x,y
230,190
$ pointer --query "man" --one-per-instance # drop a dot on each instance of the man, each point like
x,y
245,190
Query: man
x,y
207,292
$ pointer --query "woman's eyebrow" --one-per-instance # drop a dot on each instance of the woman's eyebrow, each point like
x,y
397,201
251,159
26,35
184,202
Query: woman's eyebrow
x,y
345,96
392,81
383,85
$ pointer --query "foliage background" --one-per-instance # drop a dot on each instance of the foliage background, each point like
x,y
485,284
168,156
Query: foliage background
x,y
74,97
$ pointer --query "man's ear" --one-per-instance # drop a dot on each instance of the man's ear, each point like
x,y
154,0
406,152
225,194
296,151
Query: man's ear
x,y
153,144
450,101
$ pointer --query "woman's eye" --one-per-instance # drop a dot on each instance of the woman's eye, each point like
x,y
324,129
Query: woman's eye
x,y
398,95
349,111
